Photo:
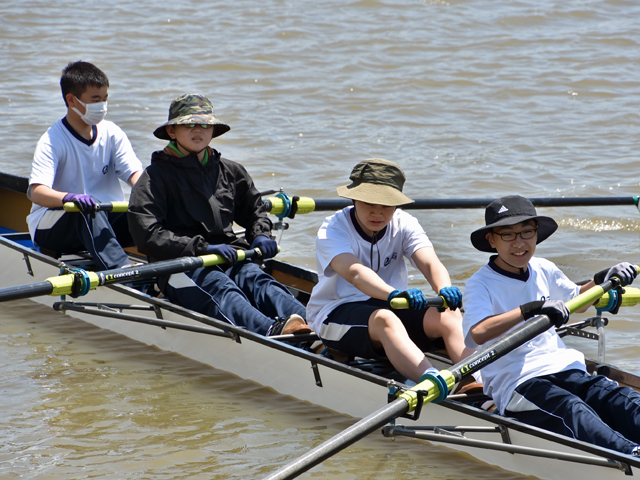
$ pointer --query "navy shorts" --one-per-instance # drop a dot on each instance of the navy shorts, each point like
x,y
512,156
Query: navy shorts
x,y
346,328
591,408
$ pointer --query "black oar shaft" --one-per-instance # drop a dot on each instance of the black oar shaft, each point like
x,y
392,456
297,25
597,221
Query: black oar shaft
x,y
452,203
341,441
26,291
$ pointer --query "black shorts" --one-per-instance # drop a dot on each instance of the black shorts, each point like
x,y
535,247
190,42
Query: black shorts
x,y
346,328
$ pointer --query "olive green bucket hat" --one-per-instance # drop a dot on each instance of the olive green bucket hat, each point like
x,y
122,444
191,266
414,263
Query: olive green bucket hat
x,y
376,181
191,108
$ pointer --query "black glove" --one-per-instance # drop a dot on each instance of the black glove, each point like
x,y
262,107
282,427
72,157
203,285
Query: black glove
x,y
556,310
624,271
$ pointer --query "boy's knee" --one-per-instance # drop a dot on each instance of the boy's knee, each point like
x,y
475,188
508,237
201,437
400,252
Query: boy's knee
x,y
384,319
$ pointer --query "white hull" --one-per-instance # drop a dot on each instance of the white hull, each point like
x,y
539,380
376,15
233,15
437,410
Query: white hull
x,y
305,376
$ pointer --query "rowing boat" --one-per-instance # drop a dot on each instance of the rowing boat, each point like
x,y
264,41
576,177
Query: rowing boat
x,y
356,388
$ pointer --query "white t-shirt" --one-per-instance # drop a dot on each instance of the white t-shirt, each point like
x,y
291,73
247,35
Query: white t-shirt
x,y
337,235
489,293
65,162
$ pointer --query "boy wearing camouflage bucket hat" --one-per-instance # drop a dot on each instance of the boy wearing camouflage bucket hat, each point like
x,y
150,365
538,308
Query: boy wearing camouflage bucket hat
x,y
185,204
542,383
81,159
360,252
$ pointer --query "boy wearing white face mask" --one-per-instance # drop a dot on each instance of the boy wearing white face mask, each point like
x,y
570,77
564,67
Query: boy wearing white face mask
x,y
81,159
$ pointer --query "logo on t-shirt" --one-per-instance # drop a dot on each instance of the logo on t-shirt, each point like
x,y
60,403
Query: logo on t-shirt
x,y
388,260
105,169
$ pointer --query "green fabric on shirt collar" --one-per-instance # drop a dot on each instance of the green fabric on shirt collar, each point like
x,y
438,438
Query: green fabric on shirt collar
x,y
172,145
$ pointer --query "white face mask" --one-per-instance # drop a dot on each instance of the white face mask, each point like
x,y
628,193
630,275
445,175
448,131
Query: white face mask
x,y
95,112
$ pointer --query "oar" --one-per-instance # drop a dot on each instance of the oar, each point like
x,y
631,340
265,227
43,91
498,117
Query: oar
x,y
427,391
104,207
283,205
80,282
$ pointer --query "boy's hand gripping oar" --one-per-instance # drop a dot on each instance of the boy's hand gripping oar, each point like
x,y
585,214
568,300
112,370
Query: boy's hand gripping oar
x,y
428,391
80,282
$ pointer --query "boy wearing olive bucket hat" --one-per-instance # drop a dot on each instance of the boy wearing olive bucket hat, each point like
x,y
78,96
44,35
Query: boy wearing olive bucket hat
x,y
185,204
360,253
542,383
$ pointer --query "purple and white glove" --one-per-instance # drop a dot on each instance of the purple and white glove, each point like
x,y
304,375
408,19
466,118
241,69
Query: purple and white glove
x,y
85,203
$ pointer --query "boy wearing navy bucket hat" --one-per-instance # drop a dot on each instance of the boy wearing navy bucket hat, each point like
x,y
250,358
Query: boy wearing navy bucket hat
x,y
185,204
360,252
542,383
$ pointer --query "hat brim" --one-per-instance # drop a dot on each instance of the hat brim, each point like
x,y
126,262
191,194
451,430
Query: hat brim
x,y
374,194
546,227
219,128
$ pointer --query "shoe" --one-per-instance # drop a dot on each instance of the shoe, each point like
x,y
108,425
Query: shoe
x,y
467,386
471,388
292,325
636,451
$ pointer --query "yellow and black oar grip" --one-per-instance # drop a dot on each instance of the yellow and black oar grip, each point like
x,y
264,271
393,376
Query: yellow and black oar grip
x,y
305,205
115,207
411,395
630,298
401,303
214,259
64,284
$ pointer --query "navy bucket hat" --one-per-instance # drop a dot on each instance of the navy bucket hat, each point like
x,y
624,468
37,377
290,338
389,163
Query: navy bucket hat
x,y
511,210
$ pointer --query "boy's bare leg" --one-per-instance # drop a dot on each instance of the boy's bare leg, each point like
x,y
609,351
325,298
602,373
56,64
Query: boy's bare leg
x,y
448,326
387,331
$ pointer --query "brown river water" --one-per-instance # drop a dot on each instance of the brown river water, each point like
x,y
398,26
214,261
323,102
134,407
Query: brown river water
x,y
474,98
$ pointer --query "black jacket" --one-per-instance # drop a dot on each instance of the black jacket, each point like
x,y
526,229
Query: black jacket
x,y
178,206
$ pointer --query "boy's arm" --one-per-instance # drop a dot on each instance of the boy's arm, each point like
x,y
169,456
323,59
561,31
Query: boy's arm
x,y
432,268
495,326
45,196
363,278
133,179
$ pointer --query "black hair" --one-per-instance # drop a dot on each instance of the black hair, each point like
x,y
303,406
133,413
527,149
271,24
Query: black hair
x,y
78,76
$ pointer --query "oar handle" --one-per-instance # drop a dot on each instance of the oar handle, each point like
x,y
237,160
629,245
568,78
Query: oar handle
x,y
115,207
403,303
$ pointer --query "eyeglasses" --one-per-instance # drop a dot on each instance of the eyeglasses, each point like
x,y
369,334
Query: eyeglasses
x,y
511,236
201,125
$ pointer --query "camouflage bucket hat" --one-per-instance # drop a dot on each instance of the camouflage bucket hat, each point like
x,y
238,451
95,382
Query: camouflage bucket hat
x,y
376,181
191,108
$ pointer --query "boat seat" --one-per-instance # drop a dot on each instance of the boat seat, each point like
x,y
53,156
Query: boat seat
x,y
50,253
